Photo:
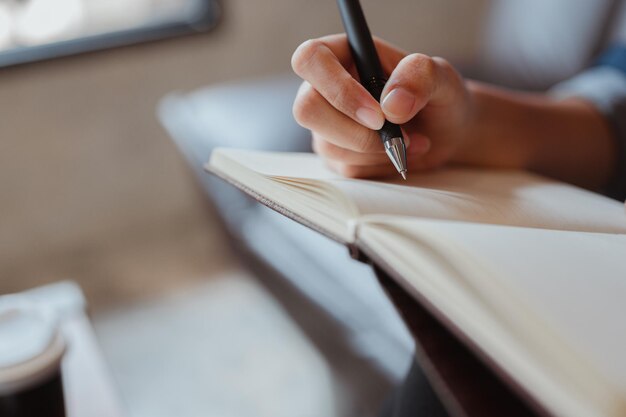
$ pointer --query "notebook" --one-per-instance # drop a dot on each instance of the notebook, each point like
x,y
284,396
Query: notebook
x,y
528,271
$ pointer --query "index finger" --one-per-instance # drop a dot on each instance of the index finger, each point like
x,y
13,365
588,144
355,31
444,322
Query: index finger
x,y
322,62
389,54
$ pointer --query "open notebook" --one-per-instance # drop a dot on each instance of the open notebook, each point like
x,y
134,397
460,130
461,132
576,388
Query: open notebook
x,y
529,271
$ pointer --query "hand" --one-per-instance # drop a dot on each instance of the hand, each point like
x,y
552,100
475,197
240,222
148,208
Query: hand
x,y
425,95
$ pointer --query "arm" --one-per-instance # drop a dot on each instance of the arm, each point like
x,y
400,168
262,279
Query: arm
x,y
445,119
565,139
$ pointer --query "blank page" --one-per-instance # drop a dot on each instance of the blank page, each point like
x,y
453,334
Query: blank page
x,y
550,305
281,164
473,195
505,197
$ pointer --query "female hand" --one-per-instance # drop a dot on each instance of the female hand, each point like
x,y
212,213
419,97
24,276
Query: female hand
x,y
425,95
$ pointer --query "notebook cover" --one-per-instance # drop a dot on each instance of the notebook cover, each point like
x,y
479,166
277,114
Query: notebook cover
x,y
467,386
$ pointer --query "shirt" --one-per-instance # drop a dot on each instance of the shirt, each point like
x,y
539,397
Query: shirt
x,y
604,85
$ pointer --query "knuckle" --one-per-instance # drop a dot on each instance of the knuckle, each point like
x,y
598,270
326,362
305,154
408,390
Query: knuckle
x,y
304,54
419,73
306,104
341,96
442,63
363,140
448,71
423,65
446,68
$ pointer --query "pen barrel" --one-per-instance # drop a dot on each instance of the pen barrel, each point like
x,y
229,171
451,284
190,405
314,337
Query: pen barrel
x,y
375,87
366,58
360,40
390,131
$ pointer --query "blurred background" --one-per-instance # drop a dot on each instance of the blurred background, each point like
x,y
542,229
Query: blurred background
x,y
107,110
92,186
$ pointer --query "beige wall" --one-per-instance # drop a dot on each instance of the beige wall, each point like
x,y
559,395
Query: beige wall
x,y
86,168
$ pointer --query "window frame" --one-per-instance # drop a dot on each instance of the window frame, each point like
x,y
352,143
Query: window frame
x,y
204,20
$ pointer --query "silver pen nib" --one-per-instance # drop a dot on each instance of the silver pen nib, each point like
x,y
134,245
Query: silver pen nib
x,y
396,151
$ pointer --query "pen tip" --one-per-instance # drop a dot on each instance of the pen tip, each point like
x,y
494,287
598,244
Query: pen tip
x,y
403,173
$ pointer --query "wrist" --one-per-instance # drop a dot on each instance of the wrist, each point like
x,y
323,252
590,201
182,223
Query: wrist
x,y
490,138
565,139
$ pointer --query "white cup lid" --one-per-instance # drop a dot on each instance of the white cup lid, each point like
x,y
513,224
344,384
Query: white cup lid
x,y
31,345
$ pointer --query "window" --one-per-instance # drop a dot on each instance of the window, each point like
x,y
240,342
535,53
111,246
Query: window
x,y
31,30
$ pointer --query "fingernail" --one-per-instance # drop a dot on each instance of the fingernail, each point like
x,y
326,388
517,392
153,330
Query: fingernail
x,y
370,118
398,103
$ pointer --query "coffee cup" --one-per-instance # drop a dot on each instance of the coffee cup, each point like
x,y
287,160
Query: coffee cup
x,y
31,351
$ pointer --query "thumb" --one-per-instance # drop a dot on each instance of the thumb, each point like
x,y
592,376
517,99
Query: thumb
x,y
416,81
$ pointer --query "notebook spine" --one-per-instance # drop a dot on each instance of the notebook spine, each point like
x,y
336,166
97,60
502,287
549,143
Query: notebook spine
x,y
358,254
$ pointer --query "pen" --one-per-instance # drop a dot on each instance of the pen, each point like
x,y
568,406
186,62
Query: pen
x,y
372,76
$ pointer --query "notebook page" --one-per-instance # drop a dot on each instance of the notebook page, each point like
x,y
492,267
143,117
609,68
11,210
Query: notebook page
x,y
574,282
488,196
546,304
571,284
281,164
482,196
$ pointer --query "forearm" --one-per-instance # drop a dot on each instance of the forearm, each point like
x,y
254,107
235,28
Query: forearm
x,y
568,139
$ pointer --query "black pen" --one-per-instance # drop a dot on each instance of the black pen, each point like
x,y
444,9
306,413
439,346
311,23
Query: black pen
x,y
371,75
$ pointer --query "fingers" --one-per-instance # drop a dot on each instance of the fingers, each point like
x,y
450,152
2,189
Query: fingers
x,y
416,81
384,169
330,151
416,164
313,112
362,171
367,164
390,55
350,148
344,116
324,68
